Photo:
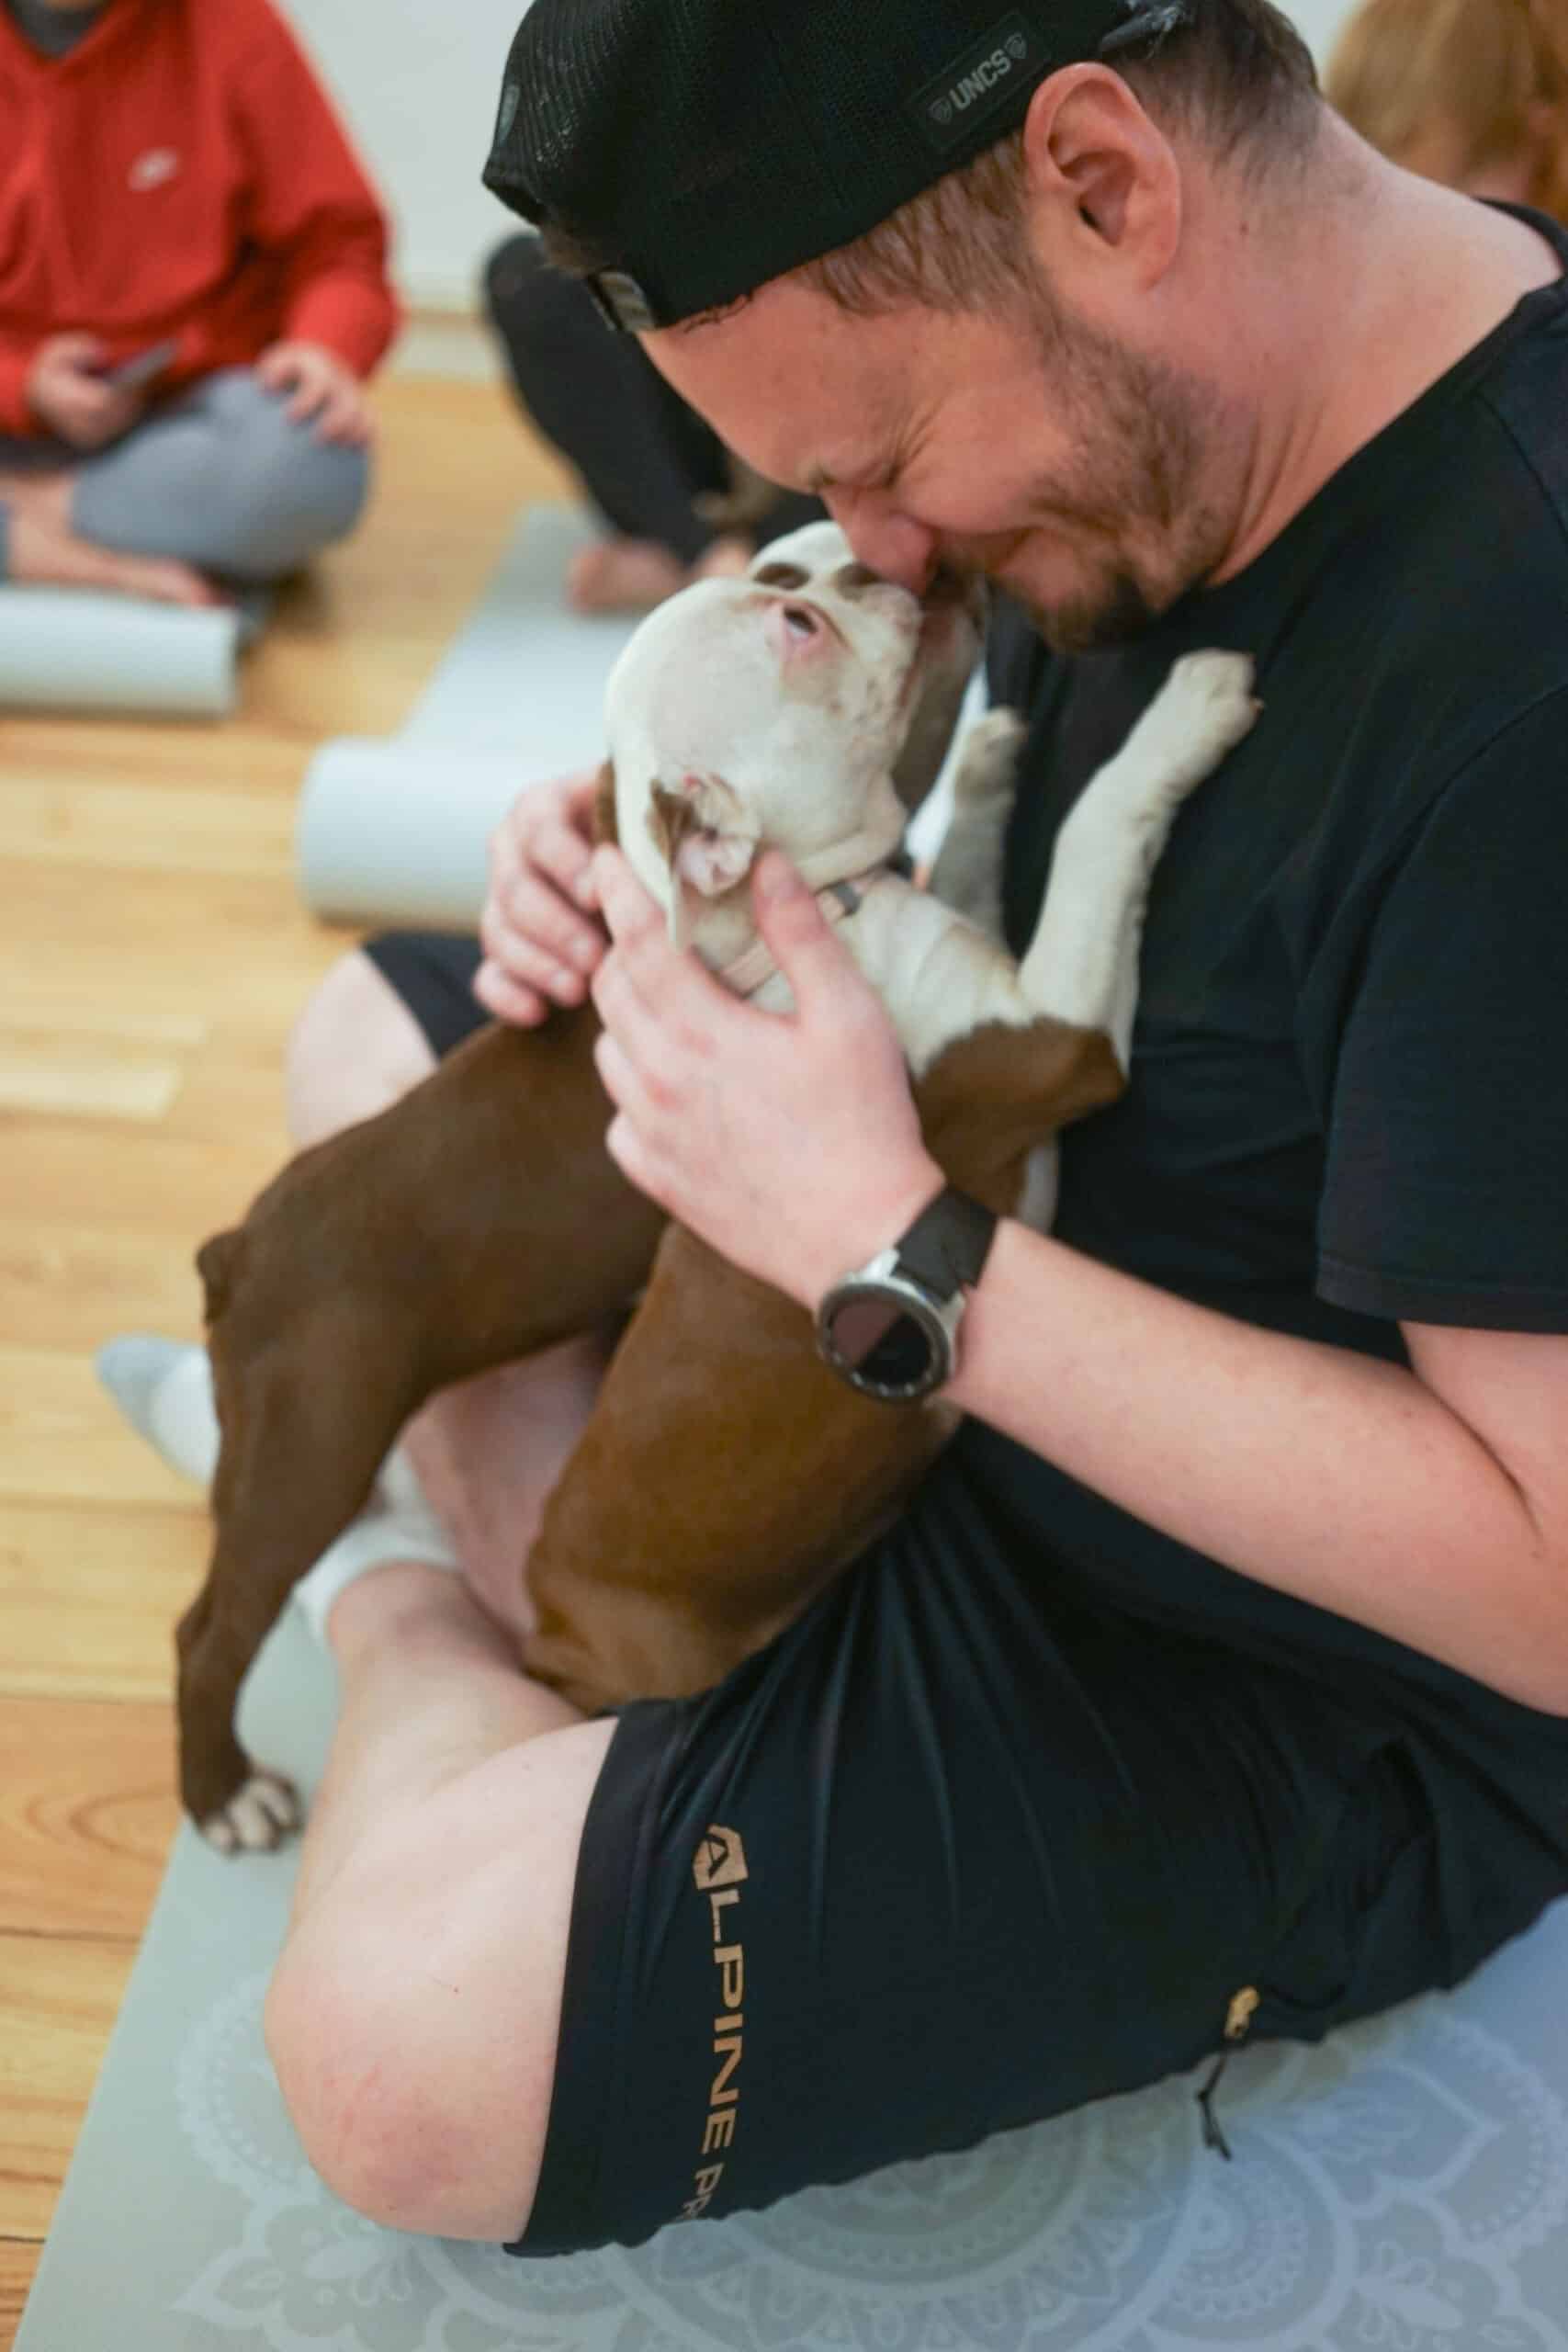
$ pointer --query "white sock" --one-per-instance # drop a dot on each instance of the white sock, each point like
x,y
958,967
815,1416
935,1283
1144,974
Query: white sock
x,y
402,1528
164,1387
164,1390
181,1418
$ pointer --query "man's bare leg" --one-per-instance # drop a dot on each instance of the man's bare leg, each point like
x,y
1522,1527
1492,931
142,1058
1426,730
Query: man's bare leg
x,y
413,2015
414,2012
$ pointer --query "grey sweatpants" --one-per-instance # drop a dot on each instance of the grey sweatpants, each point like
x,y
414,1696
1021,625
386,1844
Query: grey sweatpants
x,y
220,479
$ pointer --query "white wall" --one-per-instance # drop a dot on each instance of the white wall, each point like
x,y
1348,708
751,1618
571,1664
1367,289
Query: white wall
x,y
418,82
1319,20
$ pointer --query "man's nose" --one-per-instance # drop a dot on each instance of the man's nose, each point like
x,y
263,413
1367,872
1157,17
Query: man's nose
x,y
880,536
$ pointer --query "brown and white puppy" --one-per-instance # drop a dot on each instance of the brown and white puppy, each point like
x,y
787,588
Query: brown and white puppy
x,y
480,1219
726,1476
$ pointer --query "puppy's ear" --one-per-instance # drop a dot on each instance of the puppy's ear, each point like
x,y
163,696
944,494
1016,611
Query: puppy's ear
x,y
606,827
700,830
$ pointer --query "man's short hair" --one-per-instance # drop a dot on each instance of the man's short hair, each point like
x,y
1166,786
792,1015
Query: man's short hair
x,y
1236,76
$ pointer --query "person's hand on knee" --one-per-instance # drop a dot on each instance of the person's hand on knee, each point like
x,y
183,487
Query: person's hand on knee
x,y
320,390
540,931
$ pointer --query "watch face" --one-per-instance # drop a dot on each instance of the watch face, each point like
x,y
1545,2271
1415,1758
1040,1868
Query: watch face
x,y
882,1347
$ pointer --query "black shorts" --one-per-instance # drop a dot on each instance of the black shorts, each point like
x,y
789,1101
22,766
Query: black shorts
x,y
965,1847
961,1850
432,971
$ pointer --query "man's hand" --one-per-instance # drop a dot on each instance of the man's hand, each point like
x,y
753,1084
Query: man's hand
x,y
68,394
540,930
788,1142
320,390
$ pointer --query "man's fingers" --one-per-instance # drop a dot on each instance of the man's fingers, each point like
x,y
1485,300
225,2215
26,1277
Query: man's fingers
x,y
618,1071
684,1004
638,925
629,911
526,907
558,850
818,965
640,1036
624,1147
507,999
531,960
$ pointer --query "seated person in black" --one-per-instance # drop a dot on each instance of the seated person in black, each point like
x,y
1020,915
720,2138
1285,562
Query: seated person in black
x,y
1219,1671
659,481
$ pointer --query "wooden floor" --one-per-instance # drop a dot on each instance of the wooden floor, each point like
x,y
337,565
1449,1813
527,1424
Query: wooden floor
x,y
151,957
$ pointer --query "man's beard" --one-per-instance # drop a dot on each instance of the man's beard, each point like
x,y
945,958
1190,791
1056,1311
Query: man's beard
x,y
1089,622
1136,501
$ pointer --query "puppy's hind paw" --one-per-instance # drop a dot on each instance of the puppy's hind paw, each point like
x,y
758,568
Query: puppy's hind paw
x,y
257,1818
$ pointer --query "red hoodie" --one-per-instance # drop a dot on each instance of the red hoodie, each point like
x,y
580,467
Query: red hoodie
x,y
179,175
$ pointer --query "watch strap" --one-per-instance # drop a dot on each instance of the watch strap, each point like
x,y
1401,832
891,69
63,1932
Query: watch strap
x,y
947,1246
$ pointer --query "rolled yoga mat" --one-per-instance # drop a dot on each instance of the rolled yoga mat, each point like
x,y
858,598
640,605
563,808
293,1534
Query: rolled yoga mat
x,y
76,649
396,831
1401,2188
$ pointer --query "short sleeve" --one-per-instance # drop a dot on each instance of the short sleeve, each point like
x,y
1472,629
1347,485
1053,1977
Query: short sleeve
x,y
1446,1191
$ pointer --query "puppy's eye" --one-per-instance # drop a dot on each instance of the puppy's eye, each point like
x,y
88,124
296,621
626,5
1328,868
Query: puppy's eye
x,y
780,575
858,575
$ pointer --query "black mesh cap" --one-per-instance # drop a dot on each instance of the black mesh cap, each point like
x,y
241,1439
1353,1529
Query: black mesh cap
x,y
702,147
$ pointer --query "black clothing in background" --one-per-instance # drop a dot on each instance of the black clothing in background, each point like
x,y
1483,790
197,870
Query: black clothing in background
x,y
644,457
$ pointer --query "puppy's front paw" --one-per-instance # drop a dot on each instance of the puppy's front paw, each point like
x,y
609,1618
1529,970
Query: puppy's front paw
x,y
987,754
257,1818
1210,702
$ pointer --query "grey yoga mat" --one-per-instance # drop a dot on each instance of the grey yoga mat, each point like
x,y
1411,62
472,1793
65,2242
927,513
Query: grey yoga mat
x,y
395,830
77,650
1403,2187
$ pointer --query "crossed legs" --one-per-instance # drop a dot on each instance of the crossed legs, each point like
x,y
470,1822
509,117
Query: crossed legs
x,y
218,483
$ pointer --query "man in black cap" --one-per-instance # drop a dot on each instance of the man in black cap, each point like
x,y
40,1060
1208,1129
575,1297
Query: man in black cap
x,y
1216,1679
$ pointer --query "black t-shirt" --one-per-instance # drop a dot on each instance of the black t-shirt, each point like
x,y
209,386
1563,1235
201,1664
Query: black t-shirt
x,y
1348,1099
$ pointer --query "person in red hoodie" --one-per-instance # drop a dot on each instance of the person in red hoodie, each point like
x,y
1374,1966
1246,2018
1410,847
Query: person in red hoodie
x,y
193,290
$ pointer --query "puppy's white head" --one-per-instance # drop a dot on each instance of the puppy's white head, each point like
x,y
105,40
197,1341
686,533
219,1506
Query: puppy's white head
x,y
775,709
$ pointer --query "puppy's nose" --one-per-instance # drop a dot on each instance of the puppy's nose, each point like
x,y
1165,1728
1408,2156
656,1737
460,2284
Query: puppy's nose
x,y
797,631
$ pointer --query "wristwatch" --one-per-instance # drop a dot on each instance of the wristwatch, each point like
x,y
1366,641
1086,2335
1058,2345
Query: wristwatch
x,y
890,1329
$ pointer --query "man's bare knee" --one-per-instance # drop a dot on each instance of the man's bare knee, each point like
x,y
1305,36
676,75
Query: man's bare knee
x,y
354,1048
389,2129
414,2016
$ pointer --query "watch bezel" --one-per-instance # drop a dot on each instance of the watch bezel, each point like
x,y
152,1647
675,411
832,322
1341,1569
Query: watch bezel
x,y
883,1282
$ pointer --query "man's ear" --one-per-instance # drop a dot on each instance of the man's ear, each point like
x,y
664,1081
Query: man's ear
x,y
1104,183
605,828
698,829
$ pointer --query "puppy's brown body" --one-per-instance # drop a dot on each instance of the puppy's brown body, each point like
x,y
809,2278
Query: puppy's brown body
x,y
726,1475
476,1220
